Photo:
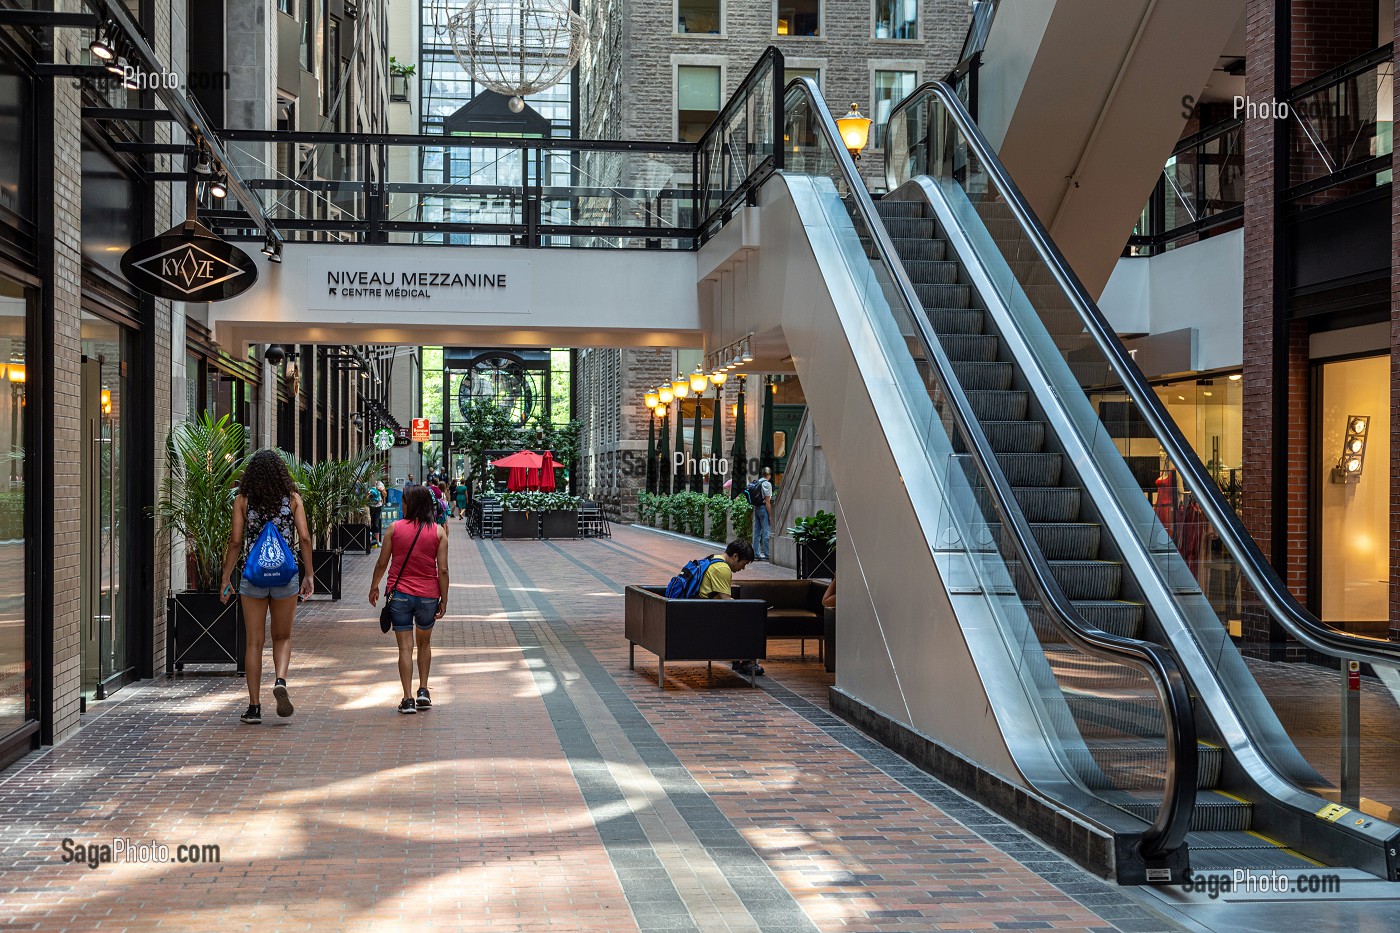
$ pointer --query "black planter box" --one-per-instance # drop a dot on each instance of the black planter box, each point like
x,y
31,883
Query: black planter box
x,y
520,524
349,537
559,524
327,572
815,560
201,629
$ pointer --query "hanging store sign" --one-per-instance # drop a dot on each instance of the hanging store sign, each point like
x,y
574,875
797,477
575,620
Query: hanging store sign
x,y
383,439
189,263
392,284
422,430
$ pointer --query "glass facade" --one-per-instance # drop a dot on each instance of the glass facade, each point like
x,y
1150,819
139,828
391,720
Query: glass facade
x,y
890,88
896,19
698,99
1353,505
16,677
798,18
106,423
705,17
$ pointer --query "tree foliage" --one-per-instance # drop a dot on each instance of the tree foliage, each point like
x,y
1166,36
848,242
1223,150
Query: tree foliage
x,y
196,495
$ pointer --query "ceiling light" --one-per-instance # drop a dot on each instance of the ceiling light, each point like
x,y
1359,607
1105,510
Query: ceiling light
x,y
130,79
748,352
219,186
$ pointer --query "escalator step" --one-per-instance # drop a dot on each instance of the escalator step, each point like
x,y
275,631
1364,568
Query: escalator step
x,y
1052,504
888,207
1115,616
911,227
1214,812
971,348
1015,436
1067,540
956,320
944,296
928,272
1088,579
989,403
985,376
1147,752
917,249
1036,469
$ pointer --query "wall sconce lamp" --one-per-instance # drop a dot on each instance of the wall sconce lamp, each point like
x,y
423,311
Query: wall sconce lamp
x,y
106,401
1348,468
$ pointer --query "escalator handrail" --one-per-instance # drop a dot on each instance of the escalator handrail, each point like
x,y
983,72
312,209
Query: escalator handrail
x,y
1280,602
1173,821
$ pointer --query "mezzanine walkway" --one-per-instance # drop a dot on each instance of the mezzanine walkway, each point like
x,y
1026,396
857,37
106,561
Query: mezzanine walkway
x,y
549,789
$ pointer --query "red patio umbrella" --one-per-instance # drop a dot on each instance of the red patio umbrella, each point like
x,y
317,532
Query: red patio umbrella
x,y
547,468
518,480
527,459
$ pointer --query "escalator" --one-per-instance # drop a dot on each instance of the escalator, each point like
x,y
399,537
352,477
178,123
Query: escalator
x,y
1107,649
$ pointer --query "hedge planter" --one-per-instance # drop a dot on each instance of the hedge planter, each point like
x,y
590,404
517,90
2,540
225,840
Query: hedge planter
x,y
326,566
202,629
559,524
352,537
815,560
520,524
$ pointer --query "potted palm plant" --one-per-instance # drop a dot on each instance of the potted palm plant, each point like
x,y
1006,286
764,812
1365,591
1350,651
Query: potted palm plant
x,y
352,530
323,498
815,537
195,506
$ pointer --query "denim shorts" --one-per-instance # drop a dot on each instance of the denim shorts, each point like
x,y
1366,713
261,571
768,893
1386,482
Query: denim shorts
x,y
406,609
290,588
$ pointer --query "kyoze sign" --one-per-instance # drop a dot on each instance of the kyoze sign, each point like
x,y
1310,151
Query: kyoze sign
x,y
189,263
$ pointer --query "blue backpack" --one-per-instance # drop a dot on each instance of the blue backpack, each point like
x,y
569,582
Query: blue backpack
x,y
686,584
271,562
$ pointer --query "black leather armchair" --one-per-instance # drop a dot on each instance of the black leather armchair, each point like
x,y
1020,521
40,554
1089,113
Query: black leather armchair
x,y
795,608
692,629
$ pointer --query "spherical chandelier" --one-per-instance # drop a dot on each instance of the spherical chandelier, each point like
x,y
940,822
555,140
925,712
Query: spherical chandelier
x,y
517,47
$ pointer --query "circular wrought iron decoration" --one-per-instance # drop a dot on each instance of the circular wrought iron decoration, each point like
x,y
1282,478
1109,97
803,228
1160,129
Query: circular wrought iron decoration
x,y
502,381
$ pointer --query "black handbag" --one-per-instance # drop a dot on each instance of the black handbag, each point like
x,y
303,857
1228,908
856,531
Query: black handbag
x,y
386,619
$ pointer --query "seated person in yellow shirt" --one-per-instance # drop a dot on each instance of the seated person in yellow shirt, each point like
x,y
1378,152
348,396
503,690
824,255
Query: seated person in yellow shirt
x,y
720,577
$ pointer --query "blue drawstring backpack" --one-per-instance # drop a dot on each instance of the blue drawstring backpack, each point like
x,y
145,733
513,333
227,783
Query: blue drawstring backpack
x,y
271,562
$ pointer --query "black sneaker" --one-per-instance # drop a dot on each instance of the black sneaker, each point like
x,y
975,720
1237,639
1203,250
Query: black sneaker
x,y
408,706
748,668
284,702
425,699
253,716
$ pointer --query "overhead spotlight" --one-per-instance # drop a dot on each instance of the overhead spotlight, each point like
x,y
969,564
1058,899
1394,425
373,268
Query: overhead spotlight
x,y
117,66
219,186
101,44
131,79
748,352
202,163
269,247
275,354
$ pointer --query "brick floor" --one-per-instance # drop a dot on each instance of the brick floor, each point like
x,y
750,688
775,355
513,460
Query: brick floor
x,y
549,789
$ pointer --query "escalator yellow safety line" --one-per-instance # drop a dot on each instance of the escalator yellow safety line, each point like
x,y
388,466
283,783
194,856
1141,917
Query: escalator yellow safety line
x,y
1278,845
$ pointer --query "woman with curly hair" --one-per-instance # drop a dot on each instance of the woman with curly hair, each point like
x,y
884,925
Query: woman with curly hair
x,y
266,493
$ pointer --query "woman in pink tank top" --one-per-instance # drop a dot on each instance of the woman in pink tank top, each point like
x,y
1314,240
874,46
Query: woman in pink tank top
x,y
415,555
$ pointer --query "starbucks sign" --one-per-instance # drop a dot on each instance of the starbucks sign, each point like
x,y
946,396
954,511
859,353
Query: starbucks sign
x,y
383,439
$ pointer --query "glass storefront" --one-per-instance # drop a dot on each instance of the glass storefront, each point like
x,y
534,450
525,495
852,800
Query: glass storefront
x,y
1353,493
16,680
106,582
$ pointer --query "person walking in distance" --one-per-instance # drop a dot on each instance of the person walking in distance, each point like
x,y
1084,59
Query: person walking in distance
x,y
267,494
415,554
760,493
376,513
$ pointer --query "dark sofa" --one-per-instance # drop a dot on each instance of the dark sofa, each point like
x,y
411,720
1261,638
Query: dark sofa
x,y
692,629
795,609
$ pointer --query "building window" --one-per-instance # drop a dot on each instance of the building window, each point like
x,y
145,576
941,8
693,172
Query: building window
x,y
798,18
285,6
896,19
308,35
815,74
890,88
16,661
701,17
697,100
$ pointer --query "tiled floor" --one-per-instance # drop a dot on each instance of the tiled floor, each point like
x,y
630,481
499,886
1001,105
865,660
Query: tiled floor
x,y
549,789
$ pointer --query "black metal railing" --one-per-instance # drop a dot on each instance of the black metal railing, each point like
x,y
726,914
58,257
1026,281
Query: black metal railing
x,y
519,191
1337,139
1200,191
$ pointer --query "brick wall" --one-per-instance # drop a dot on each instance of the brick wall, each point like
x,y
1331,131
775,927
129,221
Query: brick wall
x,y
65,284
1328,33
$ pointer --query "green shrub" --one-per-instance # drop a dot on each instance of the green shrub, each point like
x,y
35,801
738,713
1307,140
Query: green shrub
x,y
536,501
741,518
718,507
688,513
